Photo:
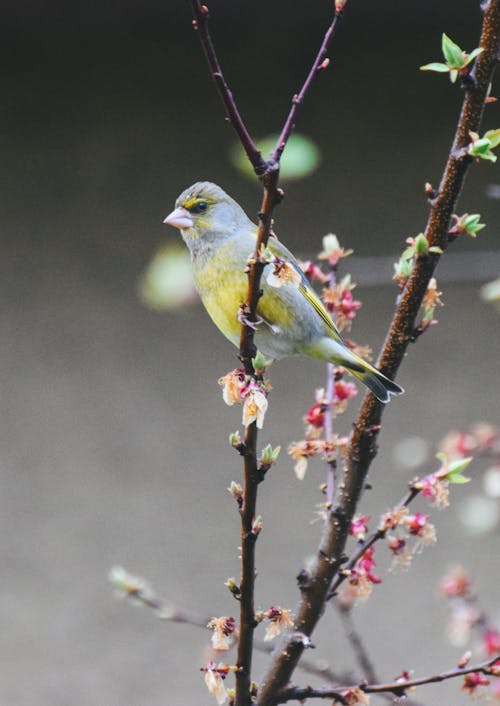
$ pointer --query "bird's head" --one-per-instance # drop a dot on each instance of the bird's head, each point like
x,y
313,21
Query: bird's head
x,y
204,212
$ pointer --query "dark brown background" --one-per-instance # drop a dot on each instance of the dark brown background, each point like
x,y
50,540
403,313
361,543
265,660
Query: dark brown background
x,y
113,432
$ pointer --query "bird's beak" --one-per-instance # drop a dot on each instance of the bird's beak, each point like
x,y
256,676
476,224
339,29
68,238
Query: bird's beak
x,y
180,218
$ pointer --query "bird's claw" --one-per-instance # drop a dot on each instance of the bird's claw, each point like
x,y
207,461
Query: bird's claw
x,y
242,318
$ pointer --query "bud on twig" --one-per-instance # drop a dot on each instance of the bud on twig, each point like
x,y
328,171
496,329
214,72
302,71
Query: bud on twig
x,y
237,492
233,588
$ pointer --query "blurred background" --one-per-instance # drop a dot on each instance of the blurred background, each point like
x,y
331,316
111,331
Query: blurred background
x,y
113,431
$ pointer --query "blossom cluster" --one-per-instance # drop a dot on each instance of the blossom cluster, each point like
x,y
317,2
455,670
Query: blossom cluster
x,y
341,392
466,615
237,388
302,451
480,439
396,527
215,676
435,486
224,630
340,302
467,619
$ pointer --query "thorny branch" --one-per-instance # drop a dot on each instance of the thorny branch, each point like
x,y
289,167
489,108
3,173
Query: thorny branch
x,y
397,688
363,447
269,175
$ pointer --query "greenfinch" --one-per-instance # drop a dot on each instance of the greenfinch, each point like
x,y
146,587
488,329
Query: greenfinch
x,y
291,319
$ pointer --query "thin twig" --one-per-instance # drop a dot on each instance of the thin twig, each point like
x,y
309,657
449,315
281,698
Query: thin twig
x,y
200,23
252,477
357,644
398,688
363,448
140,592
328,414
269,174
299,97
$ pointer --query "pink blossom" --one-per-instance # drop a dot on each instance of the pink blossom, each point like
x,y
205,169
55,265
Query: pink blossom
x,y
473,680
366,564
416,523
316,416
491,642
359,527
311,270
344,391
456,584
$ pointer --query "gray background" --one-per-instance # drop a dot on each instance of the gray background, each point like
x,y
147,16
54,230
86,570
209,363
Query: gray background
x,y
113,432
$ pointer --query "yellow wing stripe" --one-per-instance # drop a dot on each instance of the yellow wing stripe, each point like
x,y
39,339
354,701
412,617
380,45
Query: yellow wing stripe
x,y
316,303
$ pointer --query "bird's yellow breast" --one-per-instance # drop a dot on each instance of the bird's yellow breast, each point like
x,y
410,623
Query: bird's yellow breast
x,y
222,285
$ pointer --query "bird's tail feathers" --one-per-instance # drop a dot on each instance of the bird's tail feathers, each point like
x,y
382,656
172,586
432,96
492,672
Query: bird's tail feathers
x,y
338,354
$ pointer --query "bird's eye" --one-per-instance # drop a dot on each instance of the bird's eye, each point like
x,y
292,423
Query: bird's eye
x,y
199,207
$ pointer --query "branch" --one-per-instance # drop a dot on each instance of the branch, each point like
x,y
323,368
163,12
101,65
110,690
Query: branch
x,y
356,642
200,23
140,592
363,449
318,65
269,174
397,688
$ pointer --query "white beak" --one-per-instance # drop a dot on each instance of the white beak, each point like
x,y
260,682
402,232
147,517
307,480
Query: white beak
x,y
180,218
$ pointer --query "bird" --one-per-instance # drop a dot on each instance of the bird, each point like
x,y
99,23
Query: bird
x,y
291,319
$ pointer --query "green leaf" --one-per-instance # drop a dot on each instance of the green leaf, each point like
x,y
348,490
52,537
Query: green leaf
x,y
452,52
459,465
457,479
472,226
493,137
421,244
260,362
269,455
436,249
473,55
482,146
455,475
436,66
